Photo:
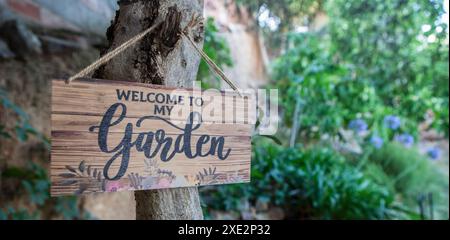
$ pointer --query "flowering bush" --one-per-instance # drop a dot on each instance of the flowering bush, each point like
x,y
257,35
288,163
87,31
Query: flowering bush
x,y
392,122
434,153
358,125
371,71
377,141
370,74
406,139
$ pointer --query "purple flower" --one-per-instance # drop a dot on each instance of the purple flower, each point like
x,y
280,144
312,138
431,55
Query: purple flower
x,y
377,141
392,122
434,153
406,139
358,125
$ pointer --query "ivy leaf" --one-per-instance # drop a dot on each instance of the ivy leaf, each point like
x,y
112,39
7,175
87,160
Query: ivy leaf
x,y
21,134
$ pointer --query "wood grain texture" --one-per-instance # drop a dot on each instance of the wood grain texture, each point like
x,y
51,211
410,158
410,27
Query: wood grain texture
x,y
78,159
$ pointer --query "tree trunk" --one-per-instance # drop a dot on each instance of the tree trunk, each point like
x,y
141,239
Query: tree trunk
x,y
164,58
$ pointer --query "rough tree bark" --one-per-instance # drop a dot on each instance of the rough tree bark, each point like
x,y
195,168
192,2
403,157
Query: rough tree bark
x,y
162,58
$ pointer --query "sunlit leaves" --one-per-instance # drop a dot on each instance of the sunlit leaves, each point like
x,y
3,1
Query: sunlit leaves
x,y
216,47
399,47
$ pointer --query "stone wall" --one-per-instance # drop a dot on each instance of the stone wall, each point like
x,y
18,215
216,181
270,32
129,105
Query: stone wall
x,y
248,52
86,16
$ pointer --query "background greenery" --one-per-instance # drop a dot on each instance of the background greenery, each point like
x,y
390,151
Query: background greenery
x,y
372,76
31,181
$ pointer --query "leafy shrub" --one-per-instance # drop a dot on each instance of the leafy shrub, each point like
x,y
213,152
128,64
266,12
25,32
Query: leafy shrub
x,y
411,174
375,70
388,48
372,60
34,189
32,184
314,183
306,75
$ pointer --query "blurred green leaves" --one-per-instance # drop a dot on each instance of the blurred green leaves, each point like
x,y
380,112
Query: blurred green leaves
x,y
374,59
216,47
31,199
37,204
22,129
307,73
312,183
397,47
410,174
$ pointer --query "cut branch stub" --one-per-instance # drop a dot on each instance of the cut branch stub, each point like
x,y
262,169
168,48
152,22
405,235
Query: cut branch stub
x,y
170,30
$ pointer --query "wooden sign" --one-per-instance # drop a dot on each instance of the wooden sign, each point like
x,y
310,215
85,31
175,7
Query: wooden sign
x,y
110,136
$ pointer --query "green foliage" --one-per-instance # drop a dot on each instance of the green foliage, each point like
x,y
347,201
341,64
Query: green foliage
x,y
307,74
397,47
440,109
34,183
315,183
411,174
275,19
38,186
330,96
372,62
216,47
23,128
11,213
375,59
289,11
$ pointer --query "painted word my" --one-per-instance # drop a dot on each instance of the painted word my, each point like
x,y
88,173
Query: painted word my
x,y
154,144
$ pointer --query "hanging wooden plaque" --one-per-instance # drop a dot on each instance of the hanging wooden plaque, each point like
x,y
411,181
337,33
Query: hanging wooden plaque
x,y
110,136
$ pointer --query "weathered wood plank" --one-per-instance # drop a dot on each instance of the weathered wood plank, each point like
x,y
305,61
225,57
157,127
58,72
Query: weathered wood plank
x,y
238,109
102,142
62,123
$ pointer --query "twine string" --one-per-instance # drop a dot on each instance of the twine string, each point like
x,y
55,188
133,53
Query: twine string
x,y
124,46
216,69
107,57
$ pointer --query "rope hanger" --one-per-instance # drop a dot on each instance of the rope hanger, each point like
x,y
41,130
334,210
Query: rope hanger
x,y
107,57
131,42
